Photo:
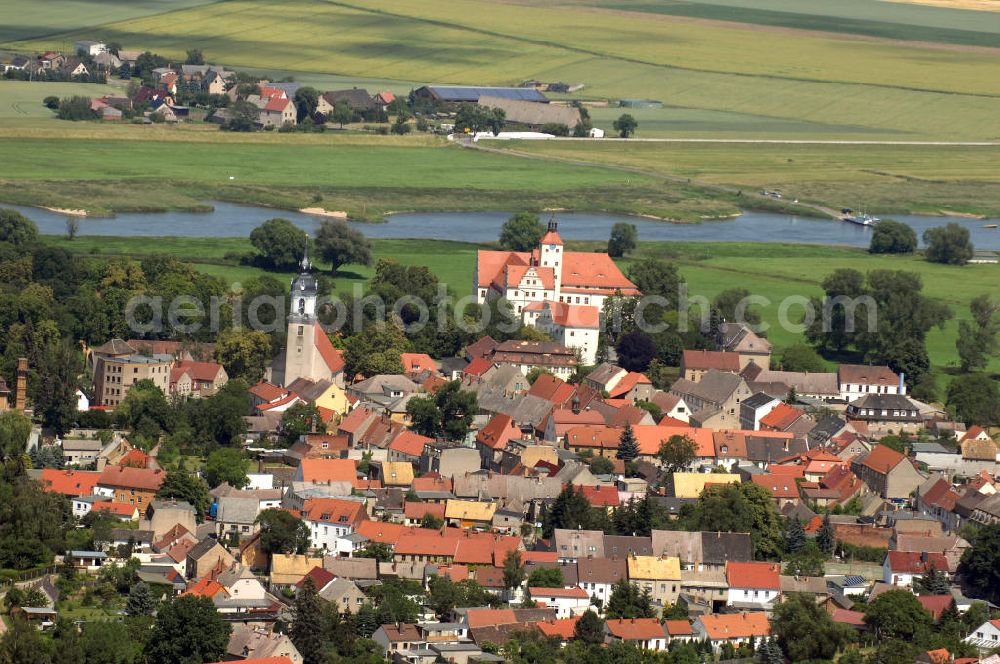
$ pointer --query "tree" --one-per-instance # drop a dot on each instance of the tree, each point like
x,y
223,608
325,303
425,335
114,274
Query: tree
x,y
980,564
301,418
377,550
655,277
75,108
194,57
17,229
601,466
977,339
948,244
431,522
521,232
826,539
623,239
140,601
625,125
893,237
806,561
739,508
220,417
974,399
546,577
342,113
145,410
308,624
800,357
376,350
23,644
400,126
555,128
897,614
805,631
932,582
72,227
628,446
339,244
243,116
181,485
244,353
188,629
795,536
282,532
306,99
589,629
15,429
472,119
226,465
513,570
627,601
280,243
635,351
571,510
677,453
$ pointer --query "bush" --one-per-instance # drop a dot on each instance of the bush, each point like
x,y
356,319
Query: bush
x,y
555,128
51,102
75,108
948,244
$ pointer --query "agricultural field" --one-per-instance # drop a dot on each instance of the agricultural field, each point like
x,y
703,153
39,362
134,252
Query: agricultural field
x,y
21,102
803,83
887,178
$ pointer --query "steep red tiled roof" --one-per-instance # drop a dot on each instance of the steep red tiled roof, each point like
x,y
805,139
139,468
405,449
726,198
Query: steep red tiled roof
x,y
780,486
576,592
882,459
489,617
267,392
562,629
416,362
410,443
200,371
600,496
736,626
332,357
935,604
69,482
782,417
320,576
847,617
551,388
753,575
497,432
587,270
382,531
477,367
353,422
118,509
626,384
333,511
432,482
678,627
914,562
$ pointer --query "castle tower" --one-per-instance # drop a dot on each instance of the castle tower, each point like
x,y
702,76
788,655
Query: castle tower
x,y
550,252
301,356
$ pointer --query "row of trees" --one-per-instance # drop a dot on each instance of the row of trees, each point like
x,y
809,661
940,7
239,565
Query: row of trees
x,y
948,244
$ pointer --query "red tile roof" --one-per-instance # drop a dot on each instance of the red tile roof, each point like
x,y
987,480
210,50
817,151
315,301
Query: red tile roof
x,y
626,384
329,470
410,443
489,617
477,367
600,496
432,482
498,431
124,477
574,316
935,604
268,392
563,629
334,511
915,562
353,422
882,459
540,556
551,388
414,510
417,362
69,482
711,359
847,617
382,531
678,627
753,575
320,576
782,417
200,371
736,626
205,587
332,357
780,486
859,374
636,629
119,509
576,592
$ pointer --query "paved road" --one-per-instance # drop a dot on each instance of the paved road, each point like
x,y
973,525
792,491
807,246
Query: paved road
x,y
765,141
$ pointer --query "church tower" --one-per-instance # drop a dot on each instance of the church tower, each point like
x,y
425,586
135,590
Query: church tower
x,y
550,253
301,356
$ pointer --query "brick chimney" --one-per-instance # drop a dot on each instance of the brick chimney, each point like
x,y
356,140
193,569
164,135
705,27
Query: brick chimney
x,y
20,394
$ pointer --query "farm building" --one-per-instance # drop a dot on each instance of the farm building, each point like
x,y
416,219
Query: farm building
x,y
459,94
532,114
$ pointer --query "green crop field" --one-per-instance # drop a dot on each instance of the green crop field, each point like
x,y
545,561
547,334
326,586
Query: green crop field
x,y
776,83
25,19
887,178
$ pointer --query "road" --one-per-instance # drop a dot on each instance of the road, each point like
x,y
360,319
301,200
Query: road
x,y
766,141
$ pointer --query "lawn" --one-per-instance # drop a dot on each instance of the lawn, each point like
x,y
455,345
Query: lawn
x,y
21,102
822,83
773,271
888,179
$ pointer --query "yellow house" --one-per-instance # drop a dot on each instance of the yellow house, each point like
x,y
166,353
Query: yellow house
x,y
288,569
690,485
469,513
334,398
532,454
660,575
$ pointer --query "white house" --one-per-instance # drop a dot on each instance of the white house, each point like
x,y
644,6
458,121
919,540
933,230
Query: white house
x,y
574,326
91,48
645,633
753,585
901,567
986,636
82,505
567,602
598,575
82,402
329,519
857,380
735,629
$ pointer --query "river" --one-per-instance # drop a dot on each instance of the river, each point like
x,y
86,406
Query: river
x,y
229,220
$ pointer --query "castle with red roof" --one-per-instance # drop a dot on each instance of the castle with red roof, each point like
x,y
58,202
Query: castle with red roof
x,y
560,292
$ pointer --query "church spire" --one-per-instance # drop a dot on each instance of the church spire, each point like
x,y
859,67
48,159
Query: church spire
x,y
306,264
